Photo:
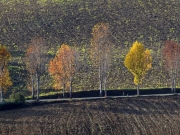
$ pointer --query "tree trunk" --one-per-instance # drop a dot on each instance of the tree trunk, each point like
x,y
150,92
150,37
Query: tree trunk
x,y
174,86
172,89
100,87
64,86
37,76
175,82
100,82
105,74
172,81
38,89
105,91
32,88
70,90
1,87
138,90
1,95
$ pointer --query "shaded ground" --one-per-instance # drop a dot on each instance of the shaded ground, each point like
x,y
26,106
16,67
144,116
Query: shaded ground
x,y
125,92
121,116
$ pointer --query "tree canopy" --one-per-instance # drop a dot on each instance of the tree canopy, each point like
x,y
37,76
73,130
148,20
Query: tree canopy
x,y
5,79
100,52
62,67
171,60
138,61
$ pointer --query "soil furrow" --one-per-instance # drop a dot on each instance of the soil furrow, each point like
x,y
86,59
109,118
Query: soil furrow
x,y
122,116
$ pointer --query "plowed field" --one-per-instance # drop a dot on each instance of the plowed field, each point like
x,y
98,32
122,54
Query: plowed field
x,y
120,116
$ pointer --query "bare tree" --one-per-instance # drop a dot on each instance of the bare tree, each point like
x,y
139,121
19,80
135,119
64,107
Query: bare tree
x,y
36,60
171,59
74,66
100,52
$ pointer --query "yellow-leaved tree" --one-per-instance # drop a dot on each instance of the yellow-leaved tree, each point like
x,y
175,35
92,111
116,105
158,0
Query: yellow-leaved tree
x,y
138,62
5,79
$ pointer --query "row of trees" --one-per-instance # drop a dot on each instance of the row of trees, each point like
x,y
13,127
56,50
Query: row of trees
x,y
71,22
139,61
66,64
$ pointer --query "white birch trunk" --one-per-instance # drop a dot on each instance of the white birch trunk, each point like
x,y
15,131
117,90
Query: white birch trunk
x,y
105,87
64,86
172,80
37,76
70,90
138,90
105,73
1,87
100,81
32,88
1,95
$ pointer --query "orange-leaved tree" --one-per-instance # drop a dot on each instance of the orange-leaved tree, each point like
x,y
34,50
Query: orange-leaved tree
x,y
100,52
171,60
138,61
63,67
36,60
5,79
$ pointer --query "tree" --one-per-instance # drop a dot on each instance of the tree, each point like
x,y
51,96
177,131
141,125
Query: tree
x,y
36,61
171,60
5,80
31,67
100,52
63,67
138,62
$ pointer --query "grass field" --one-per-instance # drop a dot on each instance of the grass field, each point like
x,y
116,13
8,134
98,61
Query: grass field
x,y
71,22
121,116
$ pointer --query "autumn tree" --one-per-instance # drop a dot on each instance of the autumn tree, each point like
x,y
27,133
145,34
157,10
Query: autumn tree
x,y
138,62
35,61
63,67
31,67
100,52
171,60
5,80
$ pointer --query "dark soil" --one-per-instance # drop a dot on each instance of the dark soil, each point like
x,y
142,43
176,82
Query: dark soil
x,y
120,116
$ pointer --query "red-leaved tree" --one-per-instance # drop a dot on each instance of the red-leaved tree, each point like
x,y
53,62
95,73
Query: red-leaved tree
x,y
171,59
36,60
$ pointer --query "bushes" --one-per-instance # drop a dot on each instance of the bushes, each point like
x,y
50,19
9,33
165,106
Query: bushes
x,y
17,98
17,101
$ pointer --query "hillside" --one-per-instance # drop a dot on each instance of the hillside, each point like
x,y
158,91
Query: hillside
x,y
149,21
138,115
